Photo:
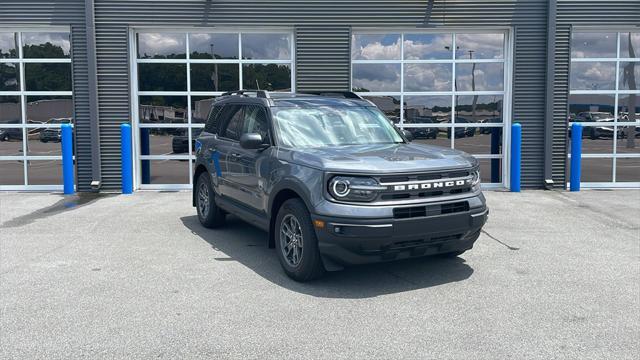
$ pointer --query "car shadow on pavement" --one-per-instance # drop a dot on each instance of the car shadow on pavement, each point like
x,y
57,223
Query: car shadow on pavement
x,y
248,246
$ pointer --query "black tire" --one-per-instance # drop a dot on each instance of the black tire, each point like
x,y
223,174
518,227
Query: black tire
x,y
209,214
309,265
593,135
5,137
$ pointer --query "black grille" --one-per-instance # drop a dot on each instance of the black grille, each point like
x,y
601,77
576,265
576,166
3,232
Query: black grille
x,y
430,210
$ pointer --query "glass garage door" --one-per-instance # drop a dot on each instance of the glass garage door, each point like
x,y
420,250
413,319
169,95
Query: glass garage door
x,y
448,89
35,99
605,99
178,76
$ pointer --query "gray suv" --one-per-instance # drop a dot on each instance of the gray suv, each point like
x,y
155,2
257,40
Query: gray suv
x,y
333,181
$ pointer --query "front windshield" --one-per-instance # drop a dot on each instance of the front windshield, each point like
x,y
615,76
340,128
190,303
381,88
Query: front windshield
x,y
322,126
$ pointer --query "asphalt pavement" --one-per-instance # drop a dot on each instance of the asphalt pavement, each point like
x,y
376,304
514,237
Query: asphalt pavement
x,y
554,275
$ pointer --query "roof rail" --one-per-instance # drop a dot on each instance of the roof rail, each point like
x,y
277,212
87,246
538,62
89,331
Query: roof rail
x,y
338,94
259,93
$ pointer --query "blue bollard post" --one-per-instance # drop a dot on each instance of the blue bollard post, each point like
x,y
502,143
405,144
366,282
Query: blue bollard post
x,y
576,156
127,162
516,155
67,158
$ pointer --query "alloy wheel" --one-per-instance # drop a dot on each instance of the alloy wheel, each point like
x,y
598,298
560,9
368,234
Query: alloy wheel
x,y
291,240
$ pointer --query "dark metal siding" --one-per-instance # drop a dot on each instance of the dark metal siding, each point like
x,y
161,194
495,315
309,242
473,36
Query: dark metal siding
x,y
26,13
317,21
322,58
612,14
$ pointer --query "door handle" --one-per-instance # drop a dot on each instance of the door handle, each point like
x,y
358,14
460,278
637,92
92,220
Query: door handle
x,y
235,155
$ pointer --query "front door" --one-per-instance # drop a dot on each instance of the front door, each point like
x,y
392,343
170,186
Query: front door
x,y
244,165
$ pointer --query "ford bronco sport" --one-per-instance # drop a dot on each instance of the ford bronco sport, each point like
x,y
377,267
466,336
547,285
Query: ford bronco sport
x,y
333,181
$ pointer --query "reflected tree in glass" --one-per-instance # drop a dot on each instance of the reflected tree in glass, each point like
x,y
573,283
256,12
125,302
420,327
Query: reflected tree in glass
x,y
629,78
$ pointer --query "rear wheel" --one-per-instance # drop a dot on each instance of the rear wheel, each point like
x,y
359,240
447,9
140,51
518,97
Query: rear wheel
x,y
296,242
209,214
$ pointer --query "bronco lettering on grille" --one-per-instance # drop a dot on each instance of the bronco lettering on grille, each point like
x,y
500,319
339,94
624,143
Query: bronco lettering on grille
x,y
432,185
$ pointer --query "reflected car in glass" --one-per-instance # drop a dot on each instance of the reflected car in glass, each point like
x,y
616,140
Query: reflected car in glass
x,y
180,141
53,134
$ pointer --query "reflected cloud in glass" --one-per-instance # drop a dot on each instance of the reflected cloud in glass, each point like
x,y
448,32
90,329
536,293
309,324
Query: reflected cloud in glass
x,y
375,47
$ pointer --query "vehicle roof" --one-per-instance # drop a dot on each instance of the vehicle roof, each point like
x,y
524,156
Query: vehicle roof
x,y
295,100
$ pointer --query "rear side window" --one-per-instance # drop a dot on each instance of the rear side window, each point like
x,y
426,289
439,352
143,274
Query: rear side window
x,y
212,121
231,122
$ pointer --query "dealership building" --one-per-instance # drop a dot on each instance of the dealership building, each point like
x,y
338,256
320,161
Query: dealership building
x,y
454,73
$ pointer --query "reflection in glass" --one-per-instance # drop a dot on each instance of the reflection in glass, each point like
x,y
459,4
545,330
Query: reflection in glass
x,y
628,141
44,142
11,142
161,45
490,170
163,109
596,170
200,106
9,77
629,75
8,45
484,140
427,110
47,77
266,46
389,105
272,77
10,110
167,172
46,45
480,77
479,46
375,47
49,109
376,77
162,77
164,141
593,45
429,136
12,172
628,169
593,76
630,45
591,107
214,77
213,46
625,105
44,172
478,109
427,46
595,139
427,77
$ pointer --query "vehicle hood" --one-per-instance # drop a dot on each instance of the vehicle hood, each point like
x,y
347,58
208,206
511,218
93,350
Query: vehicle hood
x,y
387,158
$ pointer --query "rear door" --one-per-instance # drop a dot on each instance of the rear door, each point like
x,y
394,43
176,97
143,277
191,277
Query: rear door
x,y
229,124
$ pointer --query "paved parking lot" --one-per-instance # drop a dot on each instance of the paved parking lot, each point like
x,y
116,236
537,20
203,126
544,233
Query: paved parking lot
x,y
554,275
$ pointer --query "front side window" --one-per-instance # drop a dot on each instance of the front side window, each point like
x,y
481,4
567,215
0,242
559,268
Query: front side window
x,y
323,126
231,119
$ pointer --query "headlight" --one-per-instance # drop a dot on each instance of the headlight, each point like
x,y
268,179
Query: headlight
x,y
476,178
354,188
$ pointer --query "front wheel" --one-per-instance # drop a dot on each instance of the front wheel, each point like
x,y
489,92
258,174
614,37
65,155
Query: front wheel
x,y
209,214
296,242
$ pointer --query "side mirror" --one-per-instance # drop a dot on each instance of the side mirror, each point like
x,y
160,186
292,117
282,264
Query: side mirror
x,y
252,141
407,134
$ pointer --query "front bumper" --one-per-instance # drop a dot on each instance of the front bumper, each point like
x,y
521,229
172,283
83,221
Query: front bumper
x,y
358,241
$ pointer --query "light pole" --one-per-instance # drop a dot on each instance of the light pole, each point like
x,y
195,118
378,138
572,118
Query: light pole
x,y
214,76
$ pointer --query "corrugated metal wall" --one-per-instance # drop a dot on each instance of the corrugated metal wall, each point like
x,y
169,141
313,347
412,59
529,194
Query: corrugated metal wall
x,y
62,13
322,40
612,14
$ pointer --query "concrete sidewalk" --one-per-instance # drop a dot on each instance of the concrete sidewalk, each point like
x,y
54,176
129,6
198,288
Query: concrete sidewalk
x,y
554,275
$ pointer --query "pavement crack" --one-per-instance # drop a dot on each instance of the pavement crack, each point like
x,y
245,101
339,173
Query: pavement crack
x,y
500,242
